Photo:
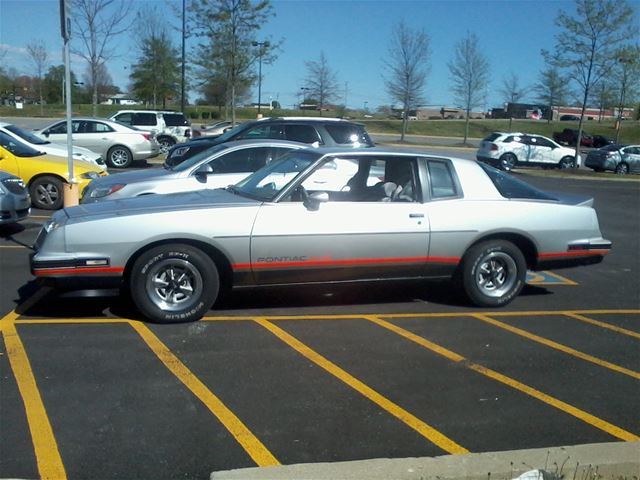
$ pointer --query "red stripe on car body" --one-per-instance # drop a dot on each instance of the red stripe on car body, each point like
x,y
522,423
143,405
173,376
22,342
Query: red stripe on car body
x,y
574,253
347,262
76,271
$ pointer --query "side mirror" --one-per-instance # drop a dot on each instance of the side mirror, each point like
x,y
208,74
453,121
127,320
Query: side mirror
x,y
313,201
203,172
46,133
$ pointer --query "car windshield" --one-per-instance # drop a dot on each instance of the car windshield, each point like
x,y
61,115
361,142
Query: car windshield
x,y
511,187
229,134
197,158
16,147
267,182
28,136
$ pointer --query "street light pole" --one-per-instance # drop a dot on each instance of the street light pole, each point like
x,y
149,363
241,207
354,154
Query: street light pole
x,y
261,46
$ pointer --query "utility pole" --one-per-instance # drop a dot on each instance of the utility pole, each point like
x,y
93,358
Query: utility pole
x,y
182,100
71,194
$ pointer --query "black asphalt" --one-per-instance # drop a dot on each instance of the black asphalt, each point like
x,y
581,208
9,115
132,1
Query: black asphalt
x,y
117,411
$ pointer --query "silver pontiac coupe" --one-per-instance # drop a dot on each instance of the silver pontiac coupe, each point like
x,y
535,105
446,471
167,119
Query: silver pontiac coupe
x,y
322,216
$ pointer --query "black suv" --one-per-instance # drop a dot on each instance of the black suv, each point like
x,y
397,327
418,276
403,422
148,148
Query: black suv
x,y
327,132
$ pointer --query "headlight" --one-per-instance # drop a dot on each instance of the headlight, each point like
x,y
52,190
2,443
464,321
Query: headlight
x,y
90,175
51,225
179,152
100,192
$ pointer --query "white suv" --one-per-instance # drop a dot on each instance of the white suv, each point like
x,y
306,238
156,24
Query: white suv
x,y
170,127
508,150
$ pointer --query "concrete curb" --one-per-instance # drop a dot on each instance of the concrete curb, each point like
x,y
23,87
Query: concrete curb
x,y
620,461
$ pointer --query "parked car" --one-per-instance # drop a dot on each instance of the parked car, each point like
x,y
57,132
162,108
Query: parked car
x,y
600,141
46,146
222,165
569,136
15,203
43,174
170,127
621,159
118,144
316,131
215,129
293,222
508,150
569,118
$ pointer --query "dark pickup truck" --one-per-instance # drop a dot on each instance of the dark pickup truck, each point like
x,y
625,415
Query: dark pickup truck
x,y
569,136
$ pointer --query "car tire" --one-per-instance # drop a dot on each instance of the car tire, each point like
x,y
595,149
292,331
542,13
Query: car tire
x,y
47,193
119,157
622,168
165,143
567,162
492,273
508,162
174,283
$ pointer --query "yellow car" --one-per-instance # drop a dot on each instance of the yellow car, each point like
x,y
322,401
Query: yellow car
x,y
43,174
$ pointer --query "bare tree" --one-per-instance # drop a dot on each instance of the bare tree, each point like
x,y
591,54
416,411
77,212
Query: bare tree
x,y
511,89
627,75
97,23
227,29
408,67
39,56
321,81
470,75
552,88
587,43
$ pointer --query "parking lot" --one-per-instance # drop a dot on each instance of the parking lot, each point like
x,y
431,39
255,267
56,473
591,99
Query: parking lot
x,y
322,374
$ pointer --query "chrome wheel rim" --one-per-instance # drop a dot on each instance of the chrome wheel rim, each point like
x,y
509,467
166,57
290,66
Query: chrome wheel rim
x,y
174,284
508,162
119,157
47,193
622,169
496,274
165,146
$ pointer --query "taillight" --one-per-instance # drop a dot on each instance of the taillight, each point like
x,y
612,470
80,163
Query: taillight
x,y
494,147
187,133
147,136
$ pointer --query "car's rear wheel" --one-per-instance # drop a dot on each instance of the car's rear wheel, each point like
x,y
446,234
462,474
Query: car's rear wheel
x,y
174,283
165,144
622,168
492,273
567,162
46,193
119,157
508,162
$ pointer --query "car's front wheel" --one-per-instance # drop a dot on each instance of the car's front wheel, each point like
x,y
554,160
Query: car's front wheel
x,y
119,157
46,193
174,283
567,162
508,162
492,273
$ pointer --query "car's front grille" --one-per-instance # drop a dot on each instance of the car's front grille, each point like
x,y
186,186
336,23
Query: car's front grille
x,y
14,185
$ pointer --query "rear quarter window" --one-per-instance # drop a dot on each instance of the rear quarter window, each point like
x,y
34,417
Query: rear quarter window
x,y
491,137
145,119
511,187
348,134
441,182
175,120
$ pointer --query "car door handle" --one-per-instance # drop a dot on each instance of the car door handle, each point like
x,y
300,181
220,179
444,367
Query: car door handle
x,y
416,215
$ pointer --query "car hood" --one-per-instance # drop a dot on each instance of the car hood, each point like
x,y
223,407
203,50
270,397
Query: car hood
x,y
218,198
133,177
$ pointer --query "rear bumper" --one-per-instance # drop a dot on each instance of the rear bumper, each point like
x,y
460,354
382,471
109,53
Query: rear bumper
x,y
577,254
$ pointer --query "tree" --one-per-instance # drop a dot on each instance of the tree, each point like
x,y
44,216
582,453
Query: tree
x,y
39,56
587,42
321,82
552,88
627,75
156,76
511,89
603,96
97,23
227,29
408,67
469,75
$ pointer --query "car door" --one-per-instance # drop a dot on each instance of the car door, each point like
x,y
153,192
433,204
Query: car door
x,y
541,151
631,155
96,136
358,234
57,133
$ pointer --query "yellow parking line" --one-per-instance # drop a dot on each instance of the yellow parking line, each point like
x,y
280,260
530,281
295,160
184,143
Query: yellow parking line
x,y
608,326
71,321
548,399
558,346
48,457
401,414
15,247
564,280
256,450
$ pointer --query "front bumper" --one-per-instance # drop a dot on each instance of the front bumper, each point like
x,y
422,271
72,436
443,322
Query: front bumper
x,y
14,208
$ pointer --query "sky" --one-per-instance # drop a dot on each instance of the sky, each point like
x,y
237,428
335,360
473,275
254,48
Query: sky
x,y
353,34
